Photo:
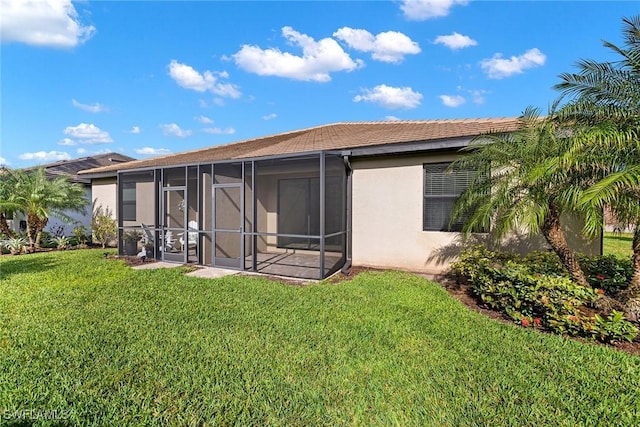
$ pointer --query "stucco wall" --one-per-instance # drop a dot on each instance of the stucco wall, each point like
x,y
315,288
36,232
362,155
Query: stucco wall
x,y
387,219
145,205
104,193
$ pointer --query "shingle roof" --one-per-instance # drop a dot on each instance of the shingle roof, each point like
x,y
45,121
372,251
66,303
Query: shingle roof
x,y
336,136
70,168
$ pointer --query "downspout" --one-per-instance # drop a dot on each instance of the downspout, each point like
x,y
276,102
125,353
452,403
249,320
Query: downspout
x,y
346,268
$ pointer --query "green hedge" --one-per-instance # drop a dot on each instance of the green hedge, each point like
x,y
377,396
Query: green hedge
x,y
536,291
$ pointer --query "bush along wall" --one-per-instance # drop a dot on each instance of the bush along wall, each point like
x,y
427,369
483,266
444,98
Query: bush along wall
x,y
535,291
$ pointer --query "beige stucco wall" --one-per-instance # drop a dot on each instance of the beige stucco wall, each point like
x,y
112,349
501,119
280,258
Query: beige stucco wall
x,y
387,205
104,192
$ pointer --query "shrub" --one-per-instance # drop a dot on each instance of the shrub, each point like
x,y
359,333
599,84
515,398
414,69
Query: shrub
x,y
46,240
513,285
103,225
80,234
15,245
607,272
544,263
61,242
57,230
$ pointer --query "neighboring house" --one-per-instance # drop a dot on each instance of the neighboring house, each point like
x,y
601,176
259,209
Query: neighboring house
x,y
70,169
308,202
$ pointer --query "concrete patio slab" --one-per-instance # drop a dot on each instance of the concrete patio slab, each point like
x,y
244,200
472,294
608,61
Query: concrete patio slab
x,y
211,272
154,265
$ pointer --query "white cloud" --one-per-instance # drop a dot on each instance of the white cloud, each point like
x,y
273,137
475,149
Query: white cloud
x,y
202,103
43,156
203,119
420,10
51,23
478,95
218,101
148,151
3,161
68,142
318,60
270,116
456,41
187,77
95,108
172,129
452,100
391,97
390,46
135,130
391,118
219,131
86,133
498,67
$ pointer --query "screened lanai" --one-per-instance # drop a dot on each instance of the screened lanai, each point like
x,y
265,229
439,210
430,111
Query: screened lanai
x,y
284,215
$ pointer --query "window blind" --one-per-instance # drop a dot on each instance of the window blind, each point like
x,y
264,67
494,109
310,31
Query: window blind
x,y
442,186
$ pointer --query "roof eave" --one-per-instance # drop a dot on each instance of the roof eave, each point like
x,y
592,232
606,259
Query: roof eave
x,y
88,175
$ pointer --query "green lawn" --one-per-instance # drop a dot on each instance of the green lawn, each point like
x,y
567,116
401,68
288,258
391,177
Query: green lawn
x,y
102,344
618,244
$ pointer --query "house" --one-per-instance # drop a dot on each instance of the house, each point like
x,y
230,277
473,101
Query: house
x,y
304,203
70,169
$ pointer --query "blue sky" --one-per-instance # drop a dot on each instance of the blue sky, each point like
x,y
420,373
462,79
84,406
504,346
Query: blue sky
x,y
150,78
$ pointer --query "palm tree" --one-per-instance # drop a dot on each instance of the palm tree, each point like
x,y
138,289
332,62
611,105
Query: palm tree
x,y
5,191
38,197
525,186
607,95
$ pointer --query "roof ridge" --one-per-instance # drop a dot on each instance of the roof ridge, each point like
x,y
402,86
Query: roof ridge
x,y
425,121
318,134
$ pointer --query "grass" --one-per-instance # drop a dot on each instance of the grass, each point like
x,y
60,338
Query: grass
x,y
618,244
102,344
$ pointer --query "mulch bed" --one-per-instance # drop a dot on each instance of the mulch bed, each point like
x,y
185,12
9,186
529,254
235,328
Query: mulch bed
x,y
464,294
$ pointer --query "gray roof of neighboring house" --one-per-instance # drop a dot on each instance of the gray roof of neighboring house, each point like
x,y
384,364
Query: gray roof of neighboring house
x,y
336,136
71,167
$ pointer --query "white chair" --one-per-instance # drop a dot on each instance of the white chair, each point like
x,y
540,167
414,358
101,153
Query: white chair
x,y
169,241
192,236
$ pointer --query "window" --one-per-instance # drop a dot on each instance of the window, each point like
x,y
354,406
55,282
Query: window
x,y
442,187
128,201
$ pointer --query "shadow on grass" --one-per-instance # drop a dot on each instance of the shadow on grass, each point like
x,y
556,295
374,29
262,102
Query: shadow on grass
x,y
619,237
19,264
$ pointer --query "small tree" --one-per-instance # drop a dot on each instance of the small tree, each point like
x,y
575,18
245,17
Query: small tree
x,y
103,225
38,197
80,232
527,187
6,185
607,94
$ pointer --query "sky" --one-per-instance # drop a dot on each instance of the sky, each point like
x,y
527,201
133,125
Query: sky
x,y
152,78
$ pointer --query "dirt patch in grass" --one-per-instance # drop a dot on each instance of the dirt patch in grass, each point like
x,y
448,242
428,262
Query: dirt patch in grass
x,y
132,261
340,277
